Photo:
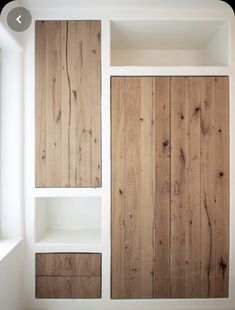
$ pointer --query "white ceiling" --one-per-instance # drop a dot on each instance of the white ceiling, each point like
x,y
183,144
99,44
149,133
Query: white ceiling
x,y
157,4
162,34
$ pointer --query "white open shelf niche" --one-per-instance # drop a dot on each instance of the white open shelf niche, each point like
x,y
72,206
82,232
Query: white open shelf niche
x,y
169,43
68,220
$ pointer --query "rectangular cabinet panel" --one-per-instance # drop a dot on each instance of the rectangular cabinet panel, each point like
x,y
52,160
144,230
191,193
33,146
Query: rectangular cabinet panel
x,y
170,187
68,287
68,275
68,95
67,264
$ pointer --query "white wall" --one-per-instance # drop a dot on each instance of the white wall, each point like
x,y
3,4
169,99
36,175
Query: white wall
x,y
11,199
11,277
11,133
11,172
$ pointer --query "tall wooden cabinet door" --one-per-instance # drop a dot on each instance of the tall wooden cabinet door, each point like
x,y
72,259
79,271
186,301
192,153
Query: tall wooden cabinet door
x,y
68,94
199,256
170,187
133,187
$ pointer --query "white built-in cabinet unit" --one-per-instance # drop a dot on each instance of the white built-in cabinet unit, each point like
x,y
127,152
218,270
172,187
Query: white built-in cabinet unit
x,y
93,67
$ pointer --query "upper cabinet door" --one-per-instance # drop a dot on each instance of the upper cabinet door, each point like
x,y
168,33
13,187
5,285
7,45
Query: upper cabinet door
x,y
68,82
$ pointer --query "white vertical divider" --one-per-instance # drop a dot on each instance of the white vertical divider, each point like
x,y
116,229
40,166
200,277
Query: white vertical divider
x,y
106,160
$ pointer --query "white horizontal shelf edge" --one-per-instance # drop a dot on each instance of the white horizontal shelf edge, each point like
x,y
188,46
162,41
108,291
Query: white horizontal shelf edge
x,y
67,192
142,70
79,236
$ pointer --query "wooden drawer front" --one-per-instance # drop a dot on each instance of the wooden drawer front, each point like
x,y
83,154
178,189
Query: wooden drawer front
x,y
69,264
68,287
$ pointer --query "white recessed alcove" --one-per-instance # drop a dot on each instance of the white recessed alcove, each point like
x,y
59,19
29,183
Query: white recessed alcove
x,y
169,43
60,220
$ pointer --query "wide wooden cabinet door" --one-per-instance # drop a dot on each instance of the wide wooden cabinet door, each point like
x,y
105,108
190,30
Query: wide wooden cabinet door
x,y
170,187
68,152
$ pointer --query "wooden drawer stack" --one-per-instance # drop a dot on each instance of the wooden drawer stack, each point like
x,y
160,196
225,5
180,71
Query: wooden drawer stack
x,y
68,275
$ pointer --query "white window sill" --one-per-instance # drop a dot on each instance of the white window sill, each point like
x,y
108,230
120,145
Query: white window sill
x,y
7,245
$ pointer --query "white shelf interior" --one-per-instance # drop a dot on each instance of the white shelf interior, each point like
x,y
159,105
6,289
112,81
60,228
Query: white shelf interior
x,y
169,43
60,220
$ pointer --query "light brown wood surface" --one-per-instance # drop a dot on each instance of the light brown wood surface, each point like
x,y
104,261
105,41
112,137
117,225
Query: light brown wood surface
x,y
133,185
170,187
161,244
69,264
68,95
68,287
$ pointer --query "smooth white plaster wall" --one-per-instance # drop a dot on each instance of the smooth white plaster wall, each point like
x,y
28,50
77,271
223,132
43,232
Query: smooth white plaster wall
x,y
11,278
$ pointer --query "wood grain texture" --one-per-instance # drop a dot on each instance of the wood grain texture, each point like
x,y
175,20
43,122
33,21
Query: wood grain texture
x,y
178,189
193,200
68,94
185,194
133,185
68,287
40,109
222,186
183,224
208,204
69,264
162,186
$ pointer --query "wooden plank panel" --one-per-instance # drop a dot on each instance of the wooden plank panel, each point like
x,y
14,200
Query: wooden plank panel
x,y
147,189
68,287
118,186
178,189
162,187
132,146
190,217
53,104
130,284
96,172
192,206
66,103
208,206
72,126
40,113
84,108
69,264
222,185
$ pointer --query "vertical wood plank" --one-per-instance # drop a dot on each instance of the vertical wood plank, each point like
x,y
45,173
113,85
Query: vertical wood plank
x,y
95,102
40,110
192,156
178,188
53,104
147,188
84,108
132,213
118,186
65,106
132,185
208,206
222,185
162,187
72,103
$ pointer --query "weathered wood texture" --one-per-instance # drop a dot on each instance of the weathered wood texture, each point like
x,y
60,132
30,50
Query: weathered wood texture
x,y
68,275
68,94
68,287
170,187
68,264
